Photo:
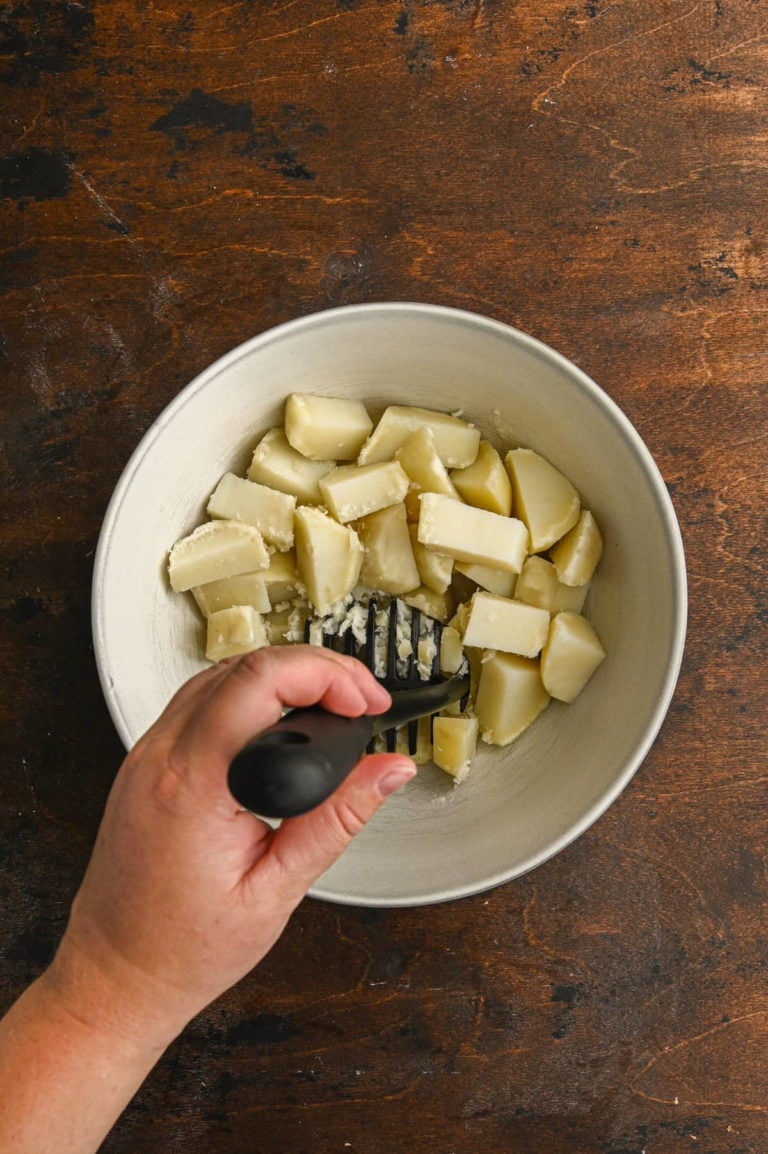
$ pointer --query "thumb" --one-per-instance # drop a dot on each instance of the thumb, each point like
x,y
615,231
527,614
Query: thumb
x,y
304,847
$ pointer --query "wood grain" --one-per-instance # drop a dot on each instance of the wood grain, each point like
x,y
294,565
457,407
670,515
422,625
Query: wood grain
x,y
176,178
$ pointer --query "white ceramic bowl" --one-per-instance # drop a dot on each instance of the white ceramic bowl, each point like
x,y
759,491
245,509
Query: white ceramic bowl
x,y
523,803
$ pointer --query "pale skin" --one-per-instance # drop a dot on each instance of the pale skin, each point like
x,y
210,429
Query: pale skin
x,y
185,893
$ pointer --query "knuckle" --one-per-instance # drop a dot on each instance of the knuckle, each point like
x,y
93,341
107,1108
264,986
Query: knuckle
x,y
251,664
170,789
345,820
167,793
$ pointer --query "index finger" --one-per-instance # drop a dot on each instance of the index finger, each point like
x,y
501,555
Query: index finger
x,y
256,689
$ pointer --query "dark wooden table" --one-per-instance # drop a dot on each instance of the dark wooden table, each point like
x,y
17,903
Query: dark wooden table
x,y
176,178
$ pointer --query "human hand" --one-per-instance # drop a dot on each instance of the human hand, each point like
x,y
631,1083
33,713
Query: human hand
x,y
186,892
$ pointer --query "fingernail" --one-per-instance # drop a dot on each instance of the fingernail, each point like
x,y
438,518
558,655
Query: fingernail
x,y
396,777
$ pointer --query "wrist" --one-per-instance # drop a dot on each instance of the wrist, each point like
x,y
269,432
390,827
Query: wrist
x,y
112,1002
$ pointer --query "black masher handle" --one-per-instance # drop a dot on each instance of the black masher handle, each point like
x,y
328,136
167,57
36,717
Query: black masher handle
x,y
296,764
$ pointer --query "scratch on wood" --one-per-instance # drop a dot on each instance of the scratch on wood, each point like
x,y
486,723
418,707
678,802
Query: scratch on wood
x,y
104,205
631,39
161,297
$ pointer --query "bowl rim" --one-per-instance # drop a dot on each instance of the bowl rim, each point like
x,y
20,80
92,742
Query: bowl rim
x,y
538,348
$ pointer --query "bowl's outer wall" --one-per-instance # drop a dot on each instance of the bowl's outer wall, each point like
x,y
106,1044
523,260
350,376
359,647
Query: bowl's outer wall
x,y
520,804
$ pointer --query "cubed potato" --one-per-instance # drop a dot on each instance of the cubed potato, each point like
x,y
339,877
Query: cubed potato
x,y
440,606
353,491
281,577
469,534
570,657
326,428
245,589
239,629
511,626
214,550
285,626
328,557
454,741
461,617
510,696
451,651
538,584
388,561
419,458
544,499
577,554
277,464
236,499
499,581
456,441
435,569
485,483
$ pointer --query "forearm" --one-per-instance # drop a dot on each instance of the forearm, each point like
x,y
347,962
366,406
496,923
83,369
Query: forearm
x,y
184,894
65,1080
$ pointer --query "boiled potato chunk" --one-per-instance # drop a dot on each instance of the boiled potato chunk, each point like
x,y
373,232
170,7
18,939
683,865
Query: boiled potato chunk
x,y
451,651
239,629
461,617
454,740
353,491
326,428
577,554
494,580
285,626
388,562
485,483
511,626
236,499
435,569
510,696
538,584
469,534
570,657
328,557
420,460
440,606
544,499
214,550
244,589
456,441
281,578
277,464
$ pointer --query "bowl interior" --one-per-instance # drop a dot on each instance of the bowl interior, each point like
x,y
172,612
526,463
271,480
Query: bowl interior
x,y
522,803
